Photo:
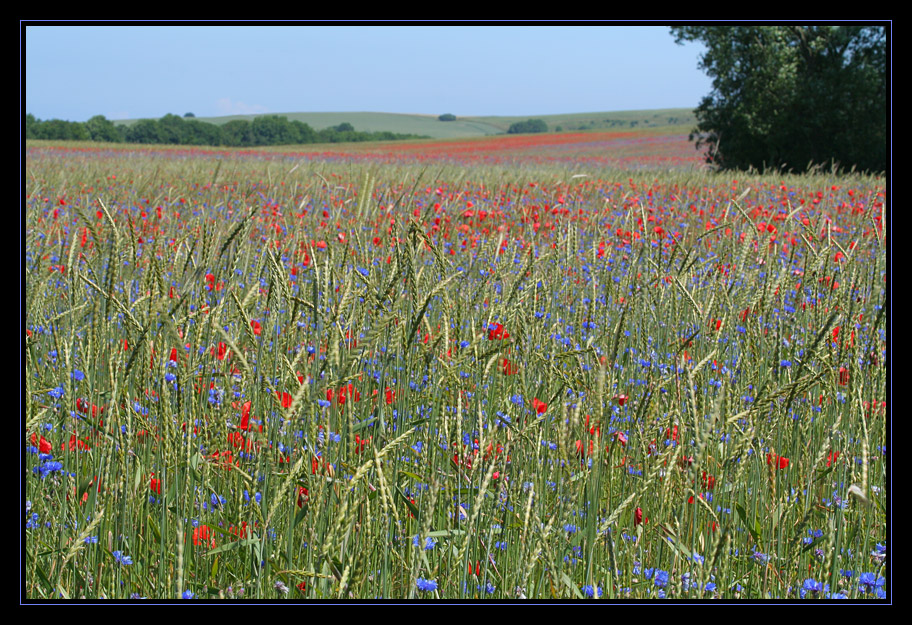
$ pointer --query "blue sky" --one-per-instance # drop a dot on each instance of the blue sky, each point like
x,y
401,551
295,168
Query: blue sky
x,y
123,71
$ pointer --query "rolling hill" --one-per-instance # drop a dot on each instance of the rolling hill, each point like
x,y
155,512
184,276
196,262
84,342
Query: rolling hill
x,y
464,127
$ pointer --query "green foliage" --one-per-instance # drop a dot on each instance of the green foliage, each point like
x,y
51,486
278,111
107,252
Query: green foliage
x,y
102,129
55,129
447,117
787,96
237,133
172,129
144,131
528,126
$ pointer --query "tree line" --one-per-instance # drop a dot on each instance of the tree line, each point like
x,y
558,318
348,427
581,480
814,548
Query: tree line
x,y
176,130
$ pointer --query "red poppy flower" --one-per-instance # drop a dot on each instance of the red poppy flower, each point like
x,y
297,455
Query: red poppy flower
x,y
44,447
639,518
361,443
203,535
579,448
285,398
74,444
774,460
540,406
303,496
240,532
843,376
347,392
496,332
257,328
509,368
155,485
709,481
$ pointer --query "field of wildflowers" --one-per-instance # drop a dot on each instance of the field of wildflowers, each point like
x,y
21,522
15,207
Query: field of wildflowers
x,y
501,369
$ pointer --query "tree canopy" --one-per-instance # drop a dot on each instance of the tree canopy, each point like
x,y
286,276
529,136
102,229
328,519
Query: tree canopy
x,y
786,97
187,130
530,125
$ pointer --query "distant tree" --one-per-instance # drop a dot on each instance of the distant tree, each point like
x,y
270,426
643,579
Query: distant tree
x,y
102,129
237,133
171,129
189,115
60,130
272,130
344,127
528,126
447,117
196,132
143,131
303,132
787,96
31,124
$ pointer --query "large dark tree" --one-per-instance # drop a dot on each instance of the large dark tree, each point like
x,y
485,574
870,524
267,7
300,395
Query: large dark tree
x,y
786,97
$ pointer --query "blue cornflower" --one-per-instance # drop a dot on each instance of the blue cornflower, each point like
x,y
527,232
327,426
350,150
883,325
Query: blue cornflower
x,y
90,540
589,591
661,578
122,559
47,468
570,528
811,585
57,392
868,582
785,363
77,375
429,542
187,595
879,554
426,585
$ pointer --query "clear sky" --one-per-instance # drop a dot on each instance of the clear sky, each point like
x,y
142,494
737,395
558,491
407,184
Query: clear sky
x,y
134,71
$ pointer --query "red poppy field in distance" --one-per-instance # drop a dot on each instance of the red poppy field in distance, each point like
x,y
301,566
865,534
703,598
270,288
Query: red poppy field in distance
x,y
569,366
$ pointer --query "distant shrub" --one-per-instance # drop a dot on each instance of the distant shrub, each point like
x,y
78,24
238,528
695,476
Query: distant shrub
x,y
528,126
447,117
